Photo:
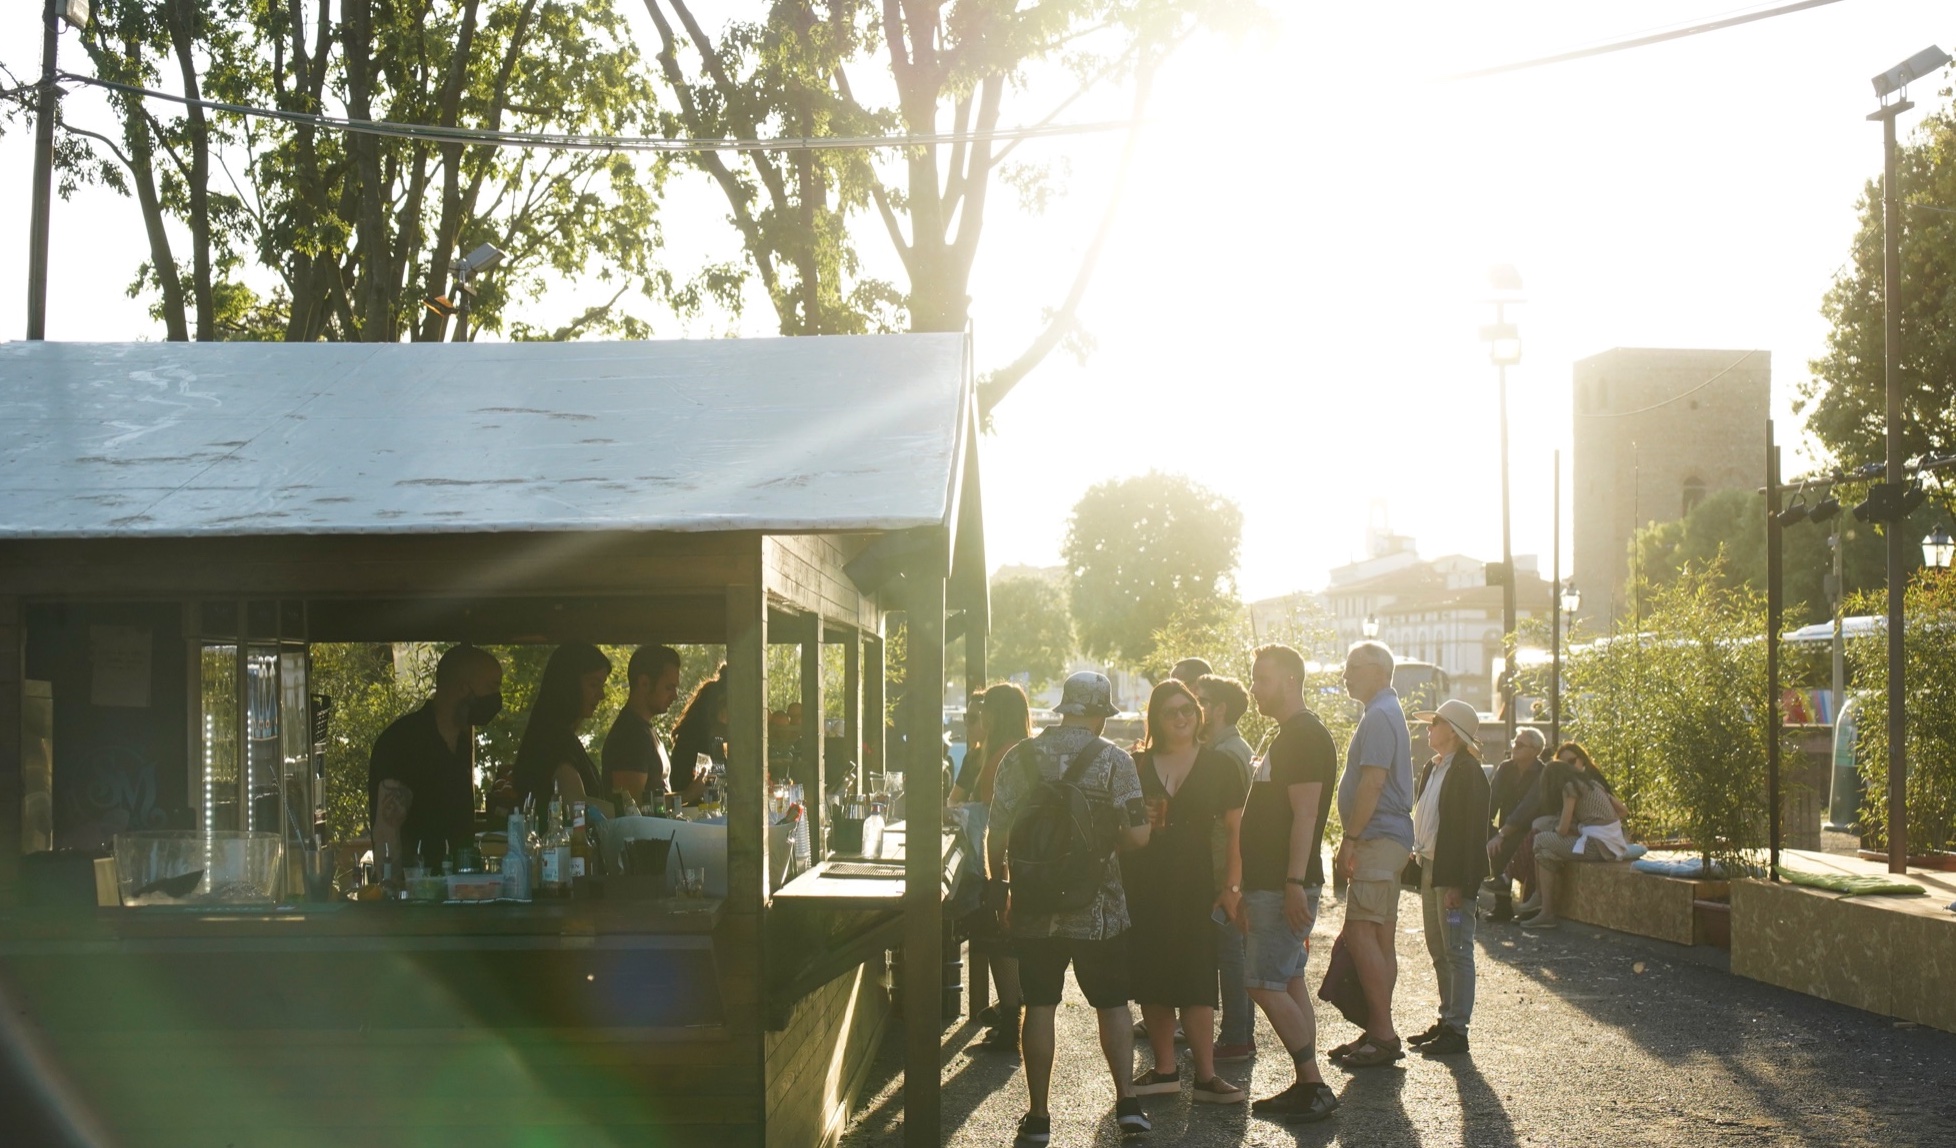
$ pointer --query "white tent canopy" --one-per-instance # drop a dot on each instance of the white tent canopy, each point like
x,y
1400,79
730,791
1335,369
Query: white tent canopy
x,y
848,433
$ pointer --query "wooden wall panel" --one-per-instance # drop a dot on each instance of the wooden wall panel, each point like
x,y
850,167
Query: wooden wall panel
x,y
11,662
816,1066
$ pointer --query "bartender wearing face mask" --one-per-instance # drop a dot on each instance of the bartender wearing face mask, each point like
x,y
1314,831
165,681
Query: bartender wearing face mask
x,y
420,792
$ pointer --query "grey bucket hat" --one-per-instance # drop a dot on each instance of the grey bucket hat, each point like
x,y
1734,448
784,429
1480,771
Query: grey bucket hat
x,y
1087,694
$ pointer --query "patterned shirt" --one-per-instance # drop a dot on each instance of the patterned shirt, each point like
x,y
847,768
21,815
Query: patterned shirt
x,y
1110,782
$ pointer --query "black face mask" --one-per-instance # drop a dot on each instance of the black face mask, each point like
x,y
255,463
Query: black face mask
x,y
483,708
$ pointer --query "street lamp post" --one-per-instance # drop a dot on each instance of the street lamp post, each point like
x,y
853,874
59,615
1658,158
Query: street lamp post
x,y
1504,350
1893,81
47,110
1570,603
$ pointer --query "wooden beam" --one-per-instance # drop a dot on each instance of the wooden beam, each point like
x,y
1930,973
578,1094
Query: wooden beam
x,y
12,672
875,724
852,702
813,736
923,785
746,800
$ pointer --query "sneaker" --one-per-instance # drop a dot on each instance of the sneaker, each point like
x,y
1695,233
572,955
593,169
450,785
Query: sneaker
x,y
989,1016
1450,1042
1216,1090
1034,1132
1429,1036
1301,1103
1153,1083
1231,1053
1129,1117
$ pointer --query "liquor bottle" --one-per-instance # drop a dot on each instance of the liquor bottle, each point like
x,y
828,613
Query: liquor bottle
x,y
556,854
580,844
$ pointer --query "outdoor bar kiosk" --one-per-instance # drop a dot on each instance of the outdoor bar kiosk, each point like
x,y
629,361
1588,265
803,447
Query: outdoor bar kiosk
x,y
178,522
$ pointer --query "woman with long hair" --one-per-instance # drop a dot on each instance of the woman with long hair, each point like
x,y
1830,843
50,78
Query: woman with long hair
x,y
551,757
1005,720
1587,825
702,729
1189,788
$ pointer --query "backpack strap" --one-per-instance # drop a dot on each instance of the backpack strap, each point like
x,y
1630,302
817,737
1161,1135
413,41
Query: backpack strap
x,y
1077,769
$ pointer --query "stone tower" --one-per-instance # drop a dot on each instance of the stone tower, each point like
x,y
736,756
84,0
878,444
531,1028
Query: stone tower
x,y
1655,431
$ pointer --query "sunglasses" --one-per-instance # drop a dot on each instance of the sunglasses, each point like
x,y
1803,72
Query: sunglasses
x,y
1178,713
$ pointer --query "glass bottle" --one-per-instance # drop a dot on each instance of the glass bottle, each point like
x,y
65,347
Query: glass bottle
x,y
580,843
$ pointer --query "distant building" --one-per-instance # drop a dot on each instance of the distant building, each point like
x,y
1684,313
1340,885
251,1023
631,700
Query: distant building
x,y
1657,430
1440,611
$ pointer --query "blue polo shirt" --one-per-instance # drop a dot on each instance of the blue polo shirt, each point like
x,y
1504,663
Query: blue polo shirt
x,y
1381,741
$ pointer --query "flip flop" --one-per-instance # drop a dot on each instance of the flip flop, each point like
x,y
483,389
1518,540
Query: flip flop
x,y
1374,1054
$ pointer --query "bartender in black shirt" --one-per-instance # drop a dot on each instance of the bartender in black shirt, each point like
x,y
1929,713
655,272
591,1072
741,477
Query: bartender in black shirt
x,y
420,795
634,757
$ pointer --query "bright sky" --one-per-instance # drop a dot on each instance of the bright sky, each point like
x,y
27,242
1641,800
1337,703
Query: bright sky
x,y
1289,310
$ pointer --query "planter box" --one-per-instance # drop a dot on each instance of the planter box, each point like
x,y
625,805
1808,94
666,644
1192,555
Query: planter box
x,y
1612,895
1890,955
1941,862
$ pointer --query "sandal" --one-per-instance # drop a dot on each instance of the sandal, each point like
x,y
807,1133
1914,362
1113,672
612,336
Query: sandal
x,y
1374,1054
1346,1049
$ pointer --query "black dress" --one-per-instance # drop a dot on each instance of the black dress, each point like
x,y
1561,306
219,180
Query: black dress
x,y
1170,889
537,760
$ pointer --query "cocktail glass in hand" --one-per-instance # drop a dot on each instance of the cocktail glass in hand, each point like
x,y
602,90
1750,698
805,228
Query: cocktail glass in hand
x,y
1157,813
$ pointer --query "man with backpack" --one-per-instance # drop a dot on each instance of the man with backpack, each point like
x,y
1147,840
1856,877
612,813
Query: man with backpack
x,y
1064,804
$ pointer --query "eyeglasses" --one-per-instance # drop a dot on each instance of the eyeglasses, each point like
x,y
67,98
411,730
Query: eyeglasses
x,y
1178,713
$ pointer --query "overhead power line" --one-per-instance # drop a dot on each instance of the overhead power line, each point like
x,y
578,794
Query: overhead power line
x,y
564,141
1645,40
1674,398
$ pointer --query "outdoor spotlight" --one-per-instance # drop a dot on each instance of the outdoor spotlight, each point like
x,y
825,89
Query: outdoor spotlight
x,y
1795,514
1938,549
1876,507
1908,499
1913,68
1825,509
75,13
483,258
1504,278
440,305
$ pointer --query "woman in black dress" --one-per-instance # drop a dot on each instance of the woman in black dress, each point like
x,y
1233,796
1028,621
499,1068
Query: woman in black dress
x,y
551,758
1171,891
702,729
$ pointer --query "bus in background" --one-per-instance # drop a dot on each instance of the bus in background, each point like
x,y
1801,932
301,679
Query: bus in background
x,y
1420,685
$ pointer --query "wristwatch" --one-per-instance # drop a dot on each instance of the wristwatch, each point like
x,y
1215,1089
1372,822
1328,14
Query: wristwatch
x,y
1236,888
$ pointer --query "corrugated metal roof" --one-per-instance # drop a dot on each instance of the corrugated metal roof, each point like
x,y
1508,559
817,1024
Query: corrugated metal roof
x,y
186,439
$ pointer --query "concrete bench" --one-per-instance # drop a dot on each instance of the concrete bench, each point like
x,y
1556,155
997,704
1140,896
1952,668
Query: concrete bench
x,y
1612,895
1890,955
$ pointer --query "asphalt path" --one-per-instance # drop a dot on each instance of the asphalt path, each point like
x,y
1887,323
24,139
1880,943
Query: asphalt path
x,y
1580,1037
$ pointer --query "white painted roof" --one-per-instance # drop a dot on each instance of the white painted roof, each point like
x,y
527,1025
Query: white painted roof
x,y
186,439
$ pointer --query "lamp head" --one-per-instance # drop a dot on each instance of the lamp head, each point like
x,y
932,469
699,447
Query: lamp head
x,y
1825,509
1571,599
1938,549
483,258
1795,514
75,14
1913,68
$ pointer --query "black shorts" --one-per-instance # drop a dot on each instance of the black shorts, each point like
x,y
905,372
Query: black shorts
x,y
1099,966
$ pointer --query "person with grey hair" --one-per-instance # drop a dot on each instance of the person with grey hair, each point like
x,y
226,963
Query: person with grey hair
x,y
1515,801
1375,805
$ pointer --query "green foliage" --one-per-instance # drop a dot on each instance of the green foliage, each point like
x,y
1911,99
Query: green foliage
x,y
356,230
1675,716
1733,522
1929,652
1145,551
1847,390
1031,631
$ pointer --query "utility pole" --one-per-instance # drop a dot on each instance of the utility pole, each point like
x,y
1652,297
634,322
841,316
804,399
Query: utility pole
x,y
46,107
1891,313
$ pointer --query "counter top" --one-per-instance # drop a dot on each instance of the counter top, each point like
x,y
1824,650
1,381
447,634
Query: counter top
x,y
570,920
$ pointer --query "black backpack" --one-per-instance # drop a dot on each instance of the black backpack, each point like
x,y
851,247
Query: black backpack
x,y
1059,845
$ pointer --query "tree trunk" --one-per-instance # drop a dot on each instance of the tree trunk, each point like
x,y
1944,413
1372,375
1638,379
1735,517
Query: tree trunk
x,y
184,25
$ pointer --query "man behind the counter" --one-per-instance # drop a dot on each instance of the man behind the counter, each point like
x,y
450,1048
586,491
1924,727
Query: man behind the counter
x,y
634,757
420,792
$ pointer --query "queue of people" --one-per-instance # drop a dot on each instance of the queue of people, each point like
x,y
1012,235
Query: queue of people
x,y
1194,824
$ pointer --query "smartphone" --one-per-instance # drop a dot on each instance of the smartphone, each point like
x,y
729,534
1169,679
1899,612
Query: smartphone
x,y
1217,915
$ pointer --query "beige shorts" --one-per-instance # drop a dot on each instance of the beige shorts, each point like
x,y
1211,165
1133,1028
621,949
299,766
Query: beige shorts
x,y
1373,892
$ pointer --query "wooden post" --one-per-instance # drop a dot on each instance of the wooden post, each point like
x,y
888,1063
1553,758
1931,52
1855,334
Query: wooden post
x,y
813,736
12,670
875,724
923,902
852,702
747,838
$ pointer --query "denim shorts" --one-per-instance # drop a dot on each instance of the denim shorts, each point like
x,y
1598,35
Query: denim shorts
x,y
1274,953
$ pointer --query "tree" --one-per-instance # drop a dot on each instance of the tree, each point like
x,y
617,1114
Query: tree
x,y
1847,391
1031,631
951,64
1929,681
1733,523
1145,550
357,229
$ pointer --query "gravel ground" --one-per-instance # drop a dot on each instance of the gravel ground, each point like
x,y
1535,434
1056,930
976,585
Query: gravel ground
x,y
1580,1037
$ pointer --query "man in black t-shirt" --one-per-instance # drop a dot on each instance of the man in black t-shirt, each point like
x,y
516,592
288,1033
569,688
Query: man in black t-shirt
x,y
635,760
1283,872
420,792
